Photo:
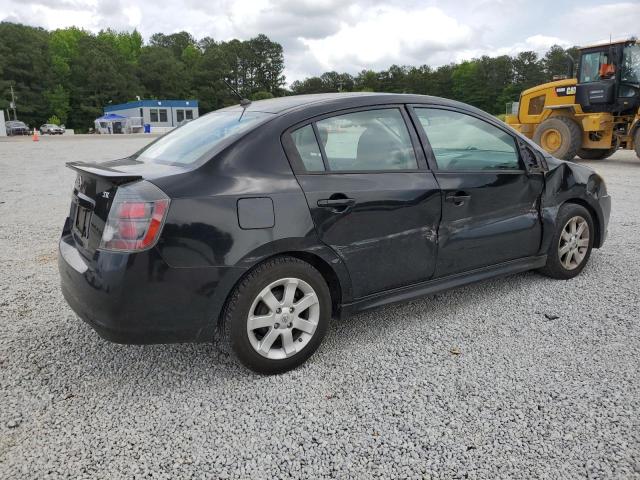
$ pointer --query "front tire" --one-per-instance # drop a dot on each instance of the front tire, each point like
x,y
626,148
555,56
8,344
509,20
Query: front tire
x,y
560,136
276,318
572,243
636,141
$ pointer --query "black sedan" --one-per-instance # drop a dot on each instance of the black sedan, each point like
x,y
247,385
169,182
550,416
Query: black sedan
x,y
16,127
263,222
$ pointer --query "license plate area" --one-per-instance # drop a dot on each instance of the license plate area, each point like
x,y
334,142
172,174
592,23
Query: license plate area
x,y
82,221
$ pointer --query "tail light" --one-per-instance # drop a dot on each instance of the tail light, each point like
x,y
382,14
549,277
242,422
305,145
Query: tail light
x,y
136,218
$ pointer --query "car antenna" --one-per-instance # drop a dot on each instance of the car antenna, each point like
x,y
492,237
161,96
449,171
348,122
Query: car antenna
x,y
244,102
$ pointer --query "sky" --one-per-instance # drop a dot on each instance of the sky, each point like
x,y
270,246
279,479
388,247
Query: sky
x,y
349,36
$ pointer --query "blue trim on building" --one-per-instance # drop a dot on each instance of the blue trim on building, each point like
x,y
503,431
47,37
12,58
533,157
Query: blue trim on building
x,y
152,104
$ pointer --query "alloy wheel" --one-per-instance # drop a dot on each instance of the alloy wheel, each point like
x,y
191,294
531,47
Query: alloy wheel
x,y
574,243
283,318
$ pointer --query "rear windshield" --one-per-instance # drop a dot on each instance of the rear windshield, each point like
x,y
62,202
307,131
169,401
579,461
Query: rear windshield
x,y
192,141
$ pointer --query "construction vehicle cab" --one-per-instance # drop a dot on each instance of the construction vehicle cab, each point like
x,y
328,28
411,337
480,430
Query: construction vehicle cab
x,y
591,115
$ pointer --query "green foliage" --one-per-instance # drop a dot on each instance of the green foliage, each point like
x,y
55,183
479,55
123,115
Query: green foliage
x,y
261,95
488,83
72,73
25,66
58,101
55,120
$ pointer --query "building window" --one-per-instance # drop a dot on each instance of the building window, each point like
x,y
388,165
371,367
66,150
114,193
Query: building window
x,y
163,115
179,115
189,114
154,114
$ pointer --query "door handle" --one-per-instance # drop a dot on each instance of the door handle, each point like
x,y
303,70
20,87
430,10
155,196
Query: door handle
x,y
458,198
336,203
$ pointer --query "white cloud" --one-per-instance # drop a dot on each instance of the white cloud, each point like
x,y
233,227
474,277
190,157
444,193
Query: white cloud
x,y
386,35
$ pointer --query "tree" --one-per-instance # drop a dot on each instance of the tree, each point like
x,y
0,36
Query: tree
x,y
161,74
25,66
558,61
100,75
58,102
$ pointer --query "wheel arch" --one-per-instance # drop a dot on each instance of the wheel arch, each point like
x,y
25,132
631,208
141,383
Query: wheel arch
x,y
337,279
597,241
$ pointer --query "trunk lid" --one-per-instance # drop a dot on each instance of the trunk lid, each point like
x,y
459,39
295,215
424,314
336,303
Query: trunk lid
x,y
93,193
95,190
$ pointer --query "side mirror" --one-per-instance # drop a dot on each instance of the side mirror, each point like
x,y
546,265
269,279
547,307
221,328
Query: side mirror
x,y
533,160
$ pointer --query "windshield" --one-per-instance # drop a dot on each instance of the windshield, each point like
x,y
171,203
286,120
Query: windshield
x,y
189,143
631,64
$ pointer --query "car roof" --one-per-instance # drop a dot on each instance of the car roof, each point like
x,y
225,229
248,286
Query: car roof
x,y
282,105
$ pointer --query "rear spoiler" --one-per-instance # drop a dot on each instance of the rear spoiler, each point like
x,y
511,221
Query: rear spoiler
x,y
110,174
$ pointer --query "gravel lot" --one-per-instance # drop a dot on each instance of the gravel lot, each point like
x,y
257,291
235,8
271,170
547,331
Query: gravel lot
x,y
479,382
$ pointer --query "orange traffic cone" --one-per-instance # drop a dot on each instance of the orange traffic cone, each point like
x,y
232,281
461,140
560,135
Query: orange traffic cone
x,y
35,135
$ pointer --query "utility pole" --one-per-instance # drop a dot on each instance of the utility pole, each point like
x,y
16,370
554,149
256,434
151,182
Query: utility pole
x,y
13,104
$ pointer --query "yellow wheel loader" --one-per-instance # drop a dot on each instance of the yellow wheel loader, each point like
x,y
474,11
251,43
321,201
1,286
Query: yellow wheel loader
x,y
592,115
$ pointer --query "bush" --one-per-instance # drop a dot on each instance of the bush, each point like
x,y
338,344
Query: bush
x,y
54,119
261,95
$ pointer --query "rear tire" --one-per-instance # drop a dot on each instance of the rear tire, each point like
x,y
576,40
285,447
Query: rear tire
x,y
572,243
560,136
277,316
596,153
636,142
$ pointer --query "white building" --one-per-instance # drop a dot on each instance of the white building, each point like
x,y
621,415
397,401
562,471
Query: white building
x,y
160,114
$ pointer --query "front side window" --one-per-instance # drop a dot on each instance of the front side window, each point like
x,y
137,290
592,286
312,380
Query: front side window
x,y
367,140
188,144
163,115
307,147
463,142
631,64
154,114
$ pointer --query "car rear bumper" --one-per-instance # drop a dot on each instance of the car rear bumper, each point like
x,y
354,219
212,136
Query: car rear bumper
x,y
139,299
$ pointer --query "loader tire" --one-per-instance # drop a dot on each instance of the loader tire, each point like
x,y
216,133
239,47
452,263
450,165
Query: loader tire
x,y
636,141
560,136
595,153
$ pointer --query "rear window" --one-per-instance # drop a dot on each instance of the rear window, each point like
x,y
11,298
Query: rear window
x,y
189,143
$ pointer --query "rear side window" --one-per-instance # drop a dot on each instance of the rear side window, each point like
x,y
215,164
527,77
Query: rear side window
x,y
463,142
368,140
188,144
305,141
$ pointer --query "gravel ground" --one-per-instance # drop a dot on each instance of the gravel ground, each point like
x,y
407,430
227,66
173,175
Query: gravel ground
x,y
521,377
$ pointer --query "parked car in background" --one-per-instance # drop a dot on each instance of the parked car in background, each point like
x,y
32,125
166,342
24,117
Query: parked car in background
x,y
16,127
261,223
51,129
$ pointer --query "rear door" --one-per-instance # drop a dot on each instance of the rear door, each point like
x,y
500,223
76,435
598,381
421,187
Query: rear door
x,y
490,209
370,194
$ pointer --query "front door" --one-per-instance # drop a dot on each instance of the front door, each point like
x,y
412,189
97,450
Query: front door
x,y
371,196
490,203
